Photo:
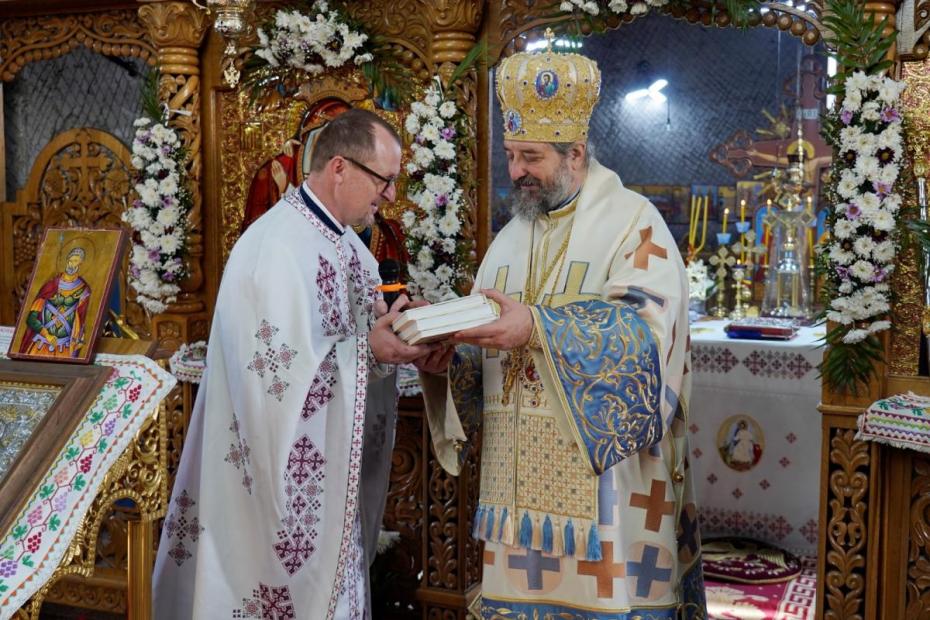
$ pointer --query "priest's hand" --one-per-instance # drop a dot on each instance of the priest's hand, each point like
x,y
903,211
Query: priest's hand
x,y
387,347
513,329
438,361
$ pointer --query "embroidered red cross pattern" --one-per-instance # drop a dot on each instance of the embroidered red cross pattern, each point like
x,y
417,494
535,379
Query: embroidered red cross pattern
x,y
646,249
654,504
605,571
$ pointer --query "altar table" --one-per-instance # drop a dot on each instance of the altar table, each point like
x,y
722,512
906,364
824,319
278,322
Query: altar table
x,y
755,435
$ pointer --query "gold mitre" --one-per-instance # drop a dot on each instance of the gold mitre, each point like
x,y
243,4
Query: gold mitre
x,y
547,97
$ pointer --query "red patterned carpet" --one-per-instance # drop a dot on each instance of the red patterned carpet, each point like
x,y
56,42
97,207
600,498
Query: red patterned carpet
x,y
790,600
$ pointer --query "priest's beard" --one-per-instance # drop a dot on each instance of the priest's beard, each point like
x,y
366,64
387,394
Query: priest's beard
x,y
549,196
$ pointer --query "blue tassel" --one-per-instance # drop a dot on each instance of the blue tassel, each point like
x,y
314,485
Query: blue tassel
x,y
476,528
569,538
594,545
500,531
526,531
489,528
547,535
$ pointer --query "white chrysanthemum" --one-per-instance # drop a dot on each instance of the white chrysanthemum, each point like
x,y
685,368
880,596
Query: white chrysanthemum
x,y
444,150
430,132
867,167
856,82
168,185
883,252
566,6
412,124
425,258
882,220
889,174
864,246
408,219
840,256
848,187
845,288
170,243
852,101
864,144
591,8
444,273
868,202
892,203
449,224
890,90
843,229
424,157
447,109
618,6
169,216
448,245
871,111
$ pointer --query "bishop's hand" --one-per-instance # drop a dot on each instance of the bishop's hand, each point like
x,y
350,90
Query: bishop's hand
x,y
513,329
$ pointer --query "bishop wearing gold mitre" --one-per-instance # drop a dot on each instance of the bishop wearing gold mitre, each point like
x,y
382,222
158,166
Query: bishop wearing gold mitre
x,y
581,387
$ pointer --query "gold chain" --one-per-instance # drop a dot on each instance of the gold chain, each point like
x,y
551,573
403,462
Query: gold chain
x,y
520,357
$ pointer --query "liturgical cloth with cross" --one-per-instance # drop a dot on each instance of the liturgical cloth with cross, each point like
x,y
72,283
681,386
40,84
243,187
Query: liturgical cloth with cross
x,y
585,504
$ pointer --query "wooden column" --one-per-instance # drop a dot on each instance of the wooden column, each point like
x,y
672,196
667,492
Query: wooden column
x,y
177,29
451,557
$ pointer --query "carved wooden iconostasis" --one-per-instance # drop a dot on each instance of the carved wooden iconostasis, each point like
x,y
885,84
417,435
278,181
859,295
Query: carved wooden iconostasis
x,y
241,155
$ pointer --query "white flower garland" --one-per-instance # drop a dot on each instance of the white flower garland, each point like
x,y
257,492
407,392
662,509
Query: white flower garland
x,y
861,255
311,42
158,216
435,187
592,7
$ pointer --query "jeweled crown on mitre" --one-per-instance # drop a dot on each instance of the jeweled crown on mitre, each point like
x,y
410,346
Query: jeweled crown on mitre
x,y
547,96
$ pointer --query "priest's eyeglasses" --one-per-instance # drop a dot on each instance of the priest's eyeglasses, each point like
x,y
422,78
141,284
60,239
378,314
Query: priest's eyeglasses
x,y
388,181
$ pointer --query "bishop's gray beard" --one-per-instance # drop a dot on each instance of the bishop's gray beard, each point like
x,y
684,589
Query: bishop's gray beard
x,y
549,197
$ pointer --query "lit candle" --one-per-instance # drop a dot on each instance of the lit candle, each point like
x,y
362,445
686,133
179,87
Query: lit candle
x,y
810,205
742,210
726,213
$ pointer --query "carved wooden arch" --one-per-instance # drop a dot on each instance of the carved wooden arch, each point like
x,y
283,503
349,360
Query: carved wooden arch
x,y
515,18
81,178
112,33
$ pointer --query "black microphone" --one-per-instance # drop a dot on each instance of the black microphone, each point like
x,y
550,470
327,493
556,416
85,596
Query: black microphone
x,y
391,287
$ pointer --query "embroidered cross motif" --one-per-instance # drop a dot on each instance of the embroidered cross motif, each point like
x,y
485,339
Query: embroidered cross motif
x,y
267,603
330,300
647,571
654,504
646,249
320,391
180,525
534,564
278,388
604,571
303,483
270,359
238,455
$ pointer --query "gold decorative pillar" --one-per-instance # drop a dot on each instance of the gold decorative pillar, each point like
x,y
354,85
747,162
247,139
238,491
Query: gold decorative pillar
x,y
178,29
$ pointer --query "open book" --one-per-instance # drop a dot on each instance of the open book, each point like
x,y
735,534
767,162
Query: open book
x,y
435,322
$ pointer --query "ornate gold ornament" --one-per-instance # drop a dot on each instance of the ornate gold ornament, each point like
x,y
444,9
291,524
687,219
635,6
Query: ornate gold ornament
x,y
548,97
233,19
